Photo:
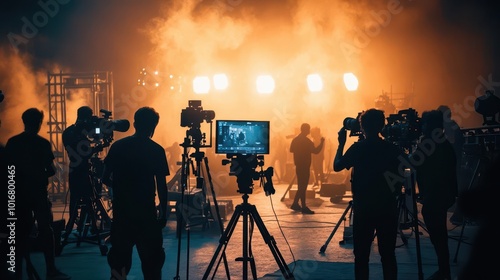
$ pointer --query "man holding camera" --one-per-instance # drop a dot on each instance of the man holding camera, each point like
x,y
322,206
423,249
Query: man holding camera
x,y
374,161
78,146
136,168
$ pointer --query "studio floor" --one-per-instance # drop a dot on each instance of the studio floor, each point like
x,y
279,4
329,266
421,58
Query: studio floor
x,y
307,243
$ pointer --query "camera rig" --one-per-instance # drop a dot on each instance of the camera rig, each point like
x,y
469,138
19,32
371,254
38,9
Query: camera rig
x,y
101,129
192,117
244,168
403,129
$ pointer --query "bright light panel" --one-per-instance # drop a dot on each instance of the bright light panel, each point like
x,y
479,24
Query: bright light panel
x,y
351,82
221,81
201,85
314,82
265,84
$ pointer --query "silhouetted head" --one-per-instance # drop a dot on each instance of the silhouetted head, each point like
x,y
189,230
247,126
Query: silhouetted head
x,y
372,122
84,114
305,129
431,121
32,119
145,121
445,110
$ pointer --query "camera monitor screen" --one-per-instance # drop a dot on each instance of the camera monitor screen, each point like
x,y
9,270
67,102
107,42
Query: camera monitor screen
x,y
242,137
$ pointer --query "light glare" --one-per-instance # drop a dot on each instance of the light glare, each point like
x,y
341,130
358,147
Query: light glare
x,y
265,84
351,82
201,85
314,82
221,81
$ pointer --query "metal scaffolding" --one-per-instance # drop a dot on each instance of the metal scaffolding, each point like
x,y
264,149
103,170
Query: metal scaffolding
x,y
97,91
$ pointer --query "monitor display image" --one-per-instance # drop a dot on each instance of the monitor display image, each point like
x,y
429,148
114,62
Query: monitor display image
x,y
242,137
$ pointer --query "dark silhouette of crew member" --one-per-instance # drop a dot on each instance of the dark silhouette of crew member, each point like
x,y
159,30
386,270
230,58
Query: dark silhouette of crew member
x,y
317,159
480,204
30,155
302,147
374,192
437,185
79,149
135,168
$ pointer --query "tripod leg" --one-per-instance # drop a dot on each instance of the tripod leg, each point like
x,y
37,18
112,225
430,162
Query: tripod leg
x,y
342,218
217,212
289,187
269,239
223,241
459,242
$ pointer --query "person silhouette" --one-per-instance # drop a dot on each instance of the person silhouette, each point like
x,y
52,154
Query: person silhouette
x,y
302,147
79,149
317,159
437,184
374,197
33,161
136,168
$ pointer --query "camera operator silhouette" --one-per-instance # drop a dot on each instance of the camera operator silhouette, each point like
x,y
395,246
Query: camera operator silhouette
x,y
31,157
302,147
78,146
375,204
437,185
135,168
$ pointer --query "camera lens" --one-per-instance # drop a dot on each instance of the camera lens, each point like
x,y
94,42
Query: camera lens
x,y
351,124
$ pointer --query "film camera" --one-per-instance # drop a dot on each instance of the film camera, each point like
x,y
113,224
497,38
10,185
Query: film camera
x,y
102,128
402,128
243,167
192,117
194,114
353,125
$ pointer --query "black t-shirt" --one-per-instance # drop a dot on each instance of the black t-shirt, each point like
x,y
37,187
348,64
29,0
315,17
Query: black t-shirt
x,y
134,162
375,163
79,151
32,157
436,172
302,148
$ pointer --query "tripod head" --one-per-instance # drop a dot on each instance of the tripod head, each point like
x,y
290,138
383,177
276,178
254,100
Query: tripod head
x,y
243,167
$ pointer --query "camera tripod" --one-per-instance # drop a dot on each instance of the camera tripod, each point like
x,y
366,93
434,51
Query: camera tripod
x,y
250,214
183,209
342,218
89,213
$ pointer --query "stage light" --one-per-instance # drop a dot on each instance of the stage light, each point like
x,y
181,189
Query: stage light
x,y
221,81
314,82
265,84
351,82
201,85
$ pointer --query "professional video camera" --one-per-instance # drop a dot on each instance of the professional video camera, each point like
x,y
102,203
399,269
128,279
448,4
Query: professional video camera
x,y
102,128
243,167
192,117
194,114
353,125
403,128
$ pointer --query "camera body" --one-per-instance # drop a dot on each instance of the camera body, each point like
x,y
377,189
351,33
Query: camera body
x,y
353,125
194,114
101,128
403,128
244,168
